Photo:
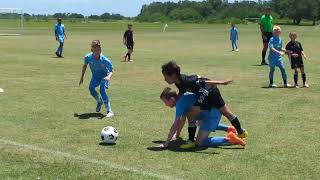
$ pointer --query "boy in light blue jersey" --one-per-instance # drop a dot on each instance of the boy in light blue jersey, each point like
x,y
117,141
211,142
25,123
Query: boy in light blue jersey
x,y
184,105
234,37
60,34
275,57
102,71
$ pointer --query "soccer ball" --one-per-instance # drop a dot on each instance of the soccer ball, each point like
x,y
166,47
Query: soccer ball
x,y
109,135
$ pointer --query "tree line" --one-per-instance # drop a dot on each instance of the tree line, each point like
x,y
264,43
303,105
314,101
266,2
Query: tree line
x,y
219,10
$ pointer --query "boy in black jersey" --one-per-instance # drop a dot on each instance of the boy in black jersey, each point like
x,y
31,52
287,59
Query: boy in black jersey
x,y
295,53
128,42
208,94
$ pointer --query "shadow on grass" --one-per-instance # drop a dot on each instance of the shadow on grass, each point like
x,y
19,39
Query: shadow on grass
x,y
175,147
105,144
89,115
280,87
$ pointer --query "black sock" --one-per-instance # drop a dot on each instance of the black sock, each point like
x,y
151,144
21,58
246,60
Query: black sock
x,y
284,81
271,81
295,77
192,133
129,56
304,78
264,56
235,123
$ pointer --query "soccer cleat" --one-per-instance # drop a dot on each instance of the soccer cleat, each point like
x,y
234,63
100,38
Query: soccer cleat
x,y
287,85
110,114
244,134
98,108
235,140
188,145
305,85
57,54
232,129
237,50
273,86
264,63
296,86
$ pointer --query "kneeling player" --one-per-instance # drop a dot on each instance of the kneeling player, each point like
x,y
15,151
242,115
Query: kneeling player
x,y
208,94
183,105
102,71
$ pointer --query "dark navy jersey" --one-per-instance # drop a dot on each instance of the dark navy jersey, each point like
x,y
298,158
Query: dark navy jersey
x,y
296,48
128,35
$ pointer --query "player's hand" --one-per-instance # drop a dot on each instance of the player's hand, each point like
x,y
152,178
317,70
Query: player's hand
x,y
281,53
56,38
289,52
81,81
229,81
107,78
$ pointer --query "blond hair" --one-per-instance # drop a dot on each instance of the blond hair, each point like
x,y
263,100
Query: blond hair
x,y
293,34
276,28
95,43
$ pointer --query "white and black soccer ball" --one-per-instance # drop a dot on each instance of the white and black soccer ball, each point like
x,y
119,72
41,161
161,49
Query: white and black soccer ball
x,y
109,135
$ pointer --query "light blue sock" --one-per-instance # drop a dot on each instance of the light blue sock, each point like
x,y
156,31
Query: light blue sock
x,y
222,127
215,141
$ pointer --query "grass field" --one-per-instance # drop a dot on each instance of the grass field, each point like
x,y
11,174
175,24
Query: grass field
x,y
40,137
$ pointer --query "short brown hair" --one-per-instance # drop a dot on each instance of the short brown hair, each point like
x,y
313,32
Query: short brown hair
x,y
167,93
293,34
130,25
95,43
171,68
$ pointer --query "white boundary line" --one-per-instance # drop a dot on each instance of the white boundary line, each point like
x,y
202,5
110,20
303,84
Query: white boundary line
x,y
86,159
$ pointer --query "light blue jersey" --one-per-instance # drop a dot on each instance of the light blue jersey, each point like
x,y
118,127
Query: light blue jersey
x,y
99,68
184,104
59,30
275,42
234,34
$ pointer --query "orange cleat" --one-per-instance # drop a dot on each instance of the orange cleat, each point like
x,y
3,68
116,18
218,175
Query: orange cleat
x,y
232,129
234,139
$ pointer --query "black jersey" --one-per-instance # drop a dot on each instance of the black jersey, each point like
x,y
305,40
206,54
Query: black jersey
x,y
128,35
296,48
207,97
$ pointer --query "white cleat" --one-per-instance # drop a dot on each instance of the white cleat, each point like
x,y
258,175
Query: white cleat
x,y
273,86
287,85
110,114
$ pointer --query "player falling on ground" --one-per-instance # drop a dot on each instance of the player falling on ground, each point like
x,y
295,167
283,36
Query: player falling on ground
x,y
60,35
210,121
275,57
128,42
234,37
295,53
208,94
102,71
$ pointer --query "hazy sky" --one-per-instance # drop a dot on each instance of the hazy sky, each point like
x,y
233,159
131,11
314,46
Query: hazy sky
x,y
86,7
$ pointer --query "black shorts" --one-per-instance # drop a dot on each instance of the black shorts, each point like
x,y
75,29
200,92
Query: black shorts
x,y
296,63
130,46
213,100
266,37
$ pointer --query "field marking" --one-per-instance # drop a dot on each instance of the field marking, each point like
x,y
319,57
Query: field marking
x,y
86,159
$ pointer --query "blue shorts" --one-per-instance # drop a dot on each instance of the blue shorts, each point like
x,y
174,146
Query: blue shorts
x,y
95,82
209,120
61,39
274,63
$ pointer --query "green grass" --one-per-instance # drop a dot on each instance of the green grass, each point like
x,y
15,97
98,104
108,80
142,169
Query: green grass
x,y
42,95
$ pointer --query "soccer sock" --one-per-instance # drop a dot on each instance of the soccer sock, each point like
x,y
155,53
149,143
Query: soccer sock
x,y
304,77
295,77
108,107
222,127
264,56
129,56
235,123
271,81
215,141
192,128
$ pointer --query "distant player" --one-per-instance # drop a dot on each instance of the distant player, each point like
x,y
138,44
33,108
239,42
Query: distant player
x,y
165,27
275,57
266,25
102,71
295,53
128,42
208,94
60,35
210,121
234,36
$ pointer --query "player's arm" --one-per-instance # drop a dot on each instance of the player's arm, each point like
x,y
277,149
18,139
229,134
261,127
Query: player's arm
x,y
55,32
216,82
175,126
181,124
125,38
271,47
84,68
109,76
